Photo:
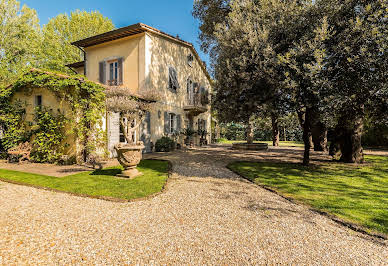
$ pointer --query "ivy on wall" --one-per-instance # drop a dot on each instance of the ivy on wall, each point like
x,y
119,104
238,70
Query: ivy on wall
x,y
14,129
85,98
49,133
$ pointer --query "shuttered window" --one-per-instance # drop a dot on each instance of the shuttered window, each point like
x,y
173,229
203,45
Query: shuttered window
x,y
111,72
172,79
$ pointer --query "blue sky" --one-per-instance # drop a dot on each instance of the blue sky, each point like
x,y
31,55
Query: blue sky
x,y
171,16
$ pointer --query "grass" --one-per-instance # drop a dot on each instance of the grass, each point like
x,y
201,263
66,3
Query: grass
x,y
101,183
281,143
357,194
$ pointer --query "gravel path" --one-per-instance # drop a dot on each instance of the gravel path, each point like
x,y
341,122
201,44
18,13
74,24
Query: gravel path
x,y
206,216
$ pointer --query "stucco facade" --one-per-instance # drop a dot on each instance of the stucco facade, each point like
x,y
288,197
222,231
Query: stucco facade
x,y
51,101
145,60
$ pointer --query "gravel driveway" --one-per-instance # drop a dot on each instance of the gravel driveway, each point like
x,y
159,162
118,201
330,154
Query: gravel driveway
x,y
207,215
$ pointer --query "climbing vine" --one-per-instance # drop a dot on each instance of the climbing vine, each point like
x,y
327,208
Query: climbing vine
x,y
13,125
49,133
85,98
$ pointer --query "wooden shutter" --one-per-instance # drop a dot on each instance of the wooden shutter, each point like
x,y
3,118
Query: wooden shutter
x,y
120,67
102,75
146,133
166,123
178,123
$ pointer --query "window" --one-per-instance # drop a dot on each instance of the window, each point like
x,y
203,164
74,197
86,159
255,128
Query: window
x,y
172,79
201,124
172,118
190,59
38,100
113,73
190,92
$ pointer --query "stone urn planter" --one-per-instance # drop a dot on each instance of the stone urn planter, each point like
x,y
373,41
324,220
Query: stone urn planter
x,y
129,156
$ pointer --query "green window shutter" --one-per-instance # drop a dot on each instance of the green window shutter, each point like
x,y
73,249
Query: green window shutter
x,y
178,123
120,67
102,67
166,123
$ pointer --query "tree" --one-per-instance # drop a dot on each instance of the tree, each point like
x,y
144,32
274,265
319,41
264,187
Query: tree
x,y
355,70
210,13
60,31
132,109
19,40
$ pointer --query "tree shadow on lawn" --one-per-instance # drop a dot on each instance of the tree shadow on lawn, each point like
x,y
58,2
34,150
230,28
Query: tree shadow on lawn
x,y
148,164
354,192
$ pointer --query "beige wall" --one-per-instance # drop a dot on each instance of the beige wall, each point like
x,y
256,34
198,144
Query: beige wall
x,y
130,48
51,101
146,59
79,70
162,53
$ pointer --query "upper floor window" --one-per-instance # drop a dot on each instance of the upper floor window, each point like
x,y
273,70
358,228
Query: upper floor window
x,y
172,79
190,59
111,72
38,100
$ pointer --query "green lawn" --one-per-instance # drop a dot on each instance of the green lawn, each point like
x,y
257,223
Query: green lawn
x,y
281,143
357,194
101,183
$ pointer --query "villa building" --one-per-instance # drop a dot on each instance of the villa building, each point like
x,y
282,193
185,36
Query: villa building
x,y
143,58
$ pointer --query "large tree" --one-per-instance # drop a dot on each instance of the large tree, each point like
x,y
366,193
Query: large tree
x,y
19,40
356,68
60,31
245,46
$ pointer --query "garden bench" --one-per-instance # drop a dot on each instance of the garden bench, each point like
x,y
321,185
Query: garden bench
x,y
20,152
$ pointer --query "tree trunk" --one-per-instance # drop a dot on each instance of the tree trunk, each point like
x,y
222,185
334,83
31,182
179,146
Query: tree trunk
x,y
284,133
319,137
302,118
249,133
351,145
275,129
307,137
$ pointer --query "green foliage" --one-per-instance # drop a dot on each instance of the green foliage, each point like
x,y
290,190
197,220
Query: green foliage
x,y
356,194
12,122
23,44
324,59
164,144
101,183
49,133
233,131
86,99
188,132
19,41
375,134
63,29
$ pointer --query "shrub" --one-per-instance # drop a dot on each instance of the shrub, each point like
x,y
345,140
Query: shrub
x,y
164,144
48,136
221,140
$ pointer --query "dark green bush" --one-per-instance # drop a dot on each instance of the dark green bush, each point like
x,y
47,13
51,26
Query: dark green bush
x,y
164,144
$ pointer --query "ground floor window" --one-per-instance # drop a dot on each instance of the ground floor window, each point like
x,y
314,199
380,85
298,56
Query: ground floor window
x,y
201,124
172,120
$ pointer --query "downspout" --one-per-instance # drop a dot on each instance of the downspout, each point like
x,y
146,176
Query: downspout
x,y
75,72
84,59
84,152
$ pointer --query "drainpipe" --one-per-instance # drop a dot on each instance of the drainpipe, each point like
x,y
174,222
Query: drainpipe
x,y
75,72
84,59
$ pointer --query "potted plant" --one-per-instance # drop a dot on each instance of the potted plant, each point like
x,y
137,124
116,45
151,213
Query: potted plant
x,y
202,137
189,133
133,110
